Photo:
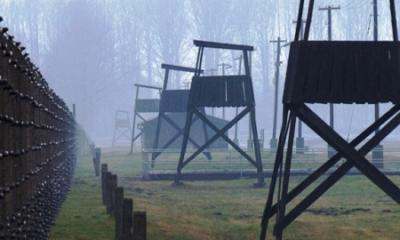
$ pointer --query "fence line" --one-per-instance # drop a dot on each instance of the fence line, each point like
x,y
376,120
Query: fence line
x,y
129,224
37,146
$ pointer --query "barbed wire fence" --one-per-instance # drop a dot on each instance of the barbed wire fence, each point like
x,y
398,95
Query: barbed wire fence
x,y
37,146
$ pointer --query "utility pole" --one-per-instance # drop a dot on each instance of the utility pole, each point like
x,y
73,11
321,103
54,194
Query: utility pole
x,y
240,61
329,10
224,66
377,153
278,42
300,140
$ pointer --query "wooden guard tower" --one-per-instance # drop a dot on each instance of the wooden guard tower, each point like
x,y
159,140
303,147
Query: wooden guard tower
x,y
173,101
143,106
121,126
352,72
221,91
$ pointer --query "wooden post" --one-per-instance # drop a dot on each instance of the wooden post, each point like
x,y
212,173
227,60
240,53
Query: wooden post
x,y
104,169
107,192
139,226
119,201
127,220
278,42
113,186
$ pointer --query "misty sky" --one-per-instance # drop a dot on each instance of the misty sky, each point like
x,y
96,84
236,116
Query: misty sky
x,y
93,51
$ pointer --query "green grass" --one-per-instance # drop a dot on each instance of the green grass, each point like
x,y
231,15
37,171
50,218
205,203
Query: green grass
x,y
221,210
82,216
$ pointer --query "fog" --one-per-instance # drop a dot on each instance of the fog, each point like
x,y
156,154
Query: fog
x,y
93,51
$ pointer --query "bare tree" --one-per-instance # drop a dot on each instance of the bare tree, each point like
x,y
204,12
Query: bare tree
x,y
80,60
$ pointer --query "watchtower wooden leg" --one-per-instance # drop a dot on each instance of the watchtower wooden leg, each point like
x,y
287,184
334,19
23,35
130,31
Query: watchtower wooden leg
x,y
277,165
341,171
334,159
286,174
205,132
157,137
133,137
257,151
189,117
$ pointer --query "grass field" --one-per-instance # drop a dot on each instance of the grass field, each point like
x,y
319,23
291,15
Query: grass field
x,y
354,209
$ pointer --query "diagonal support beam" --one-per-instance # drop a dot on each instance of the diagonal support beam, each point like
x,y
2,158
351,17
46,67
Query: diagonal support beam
x,y
334,159
155,155
215,137
227,139
180,131
166,145
125,133
339,173
137,136
349,152
141,117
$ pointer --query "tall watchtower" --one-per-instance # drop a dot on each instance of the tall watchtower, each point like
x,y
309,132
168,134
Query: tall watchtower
x,y
143,106
221,91
173,101
121,127
332,72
